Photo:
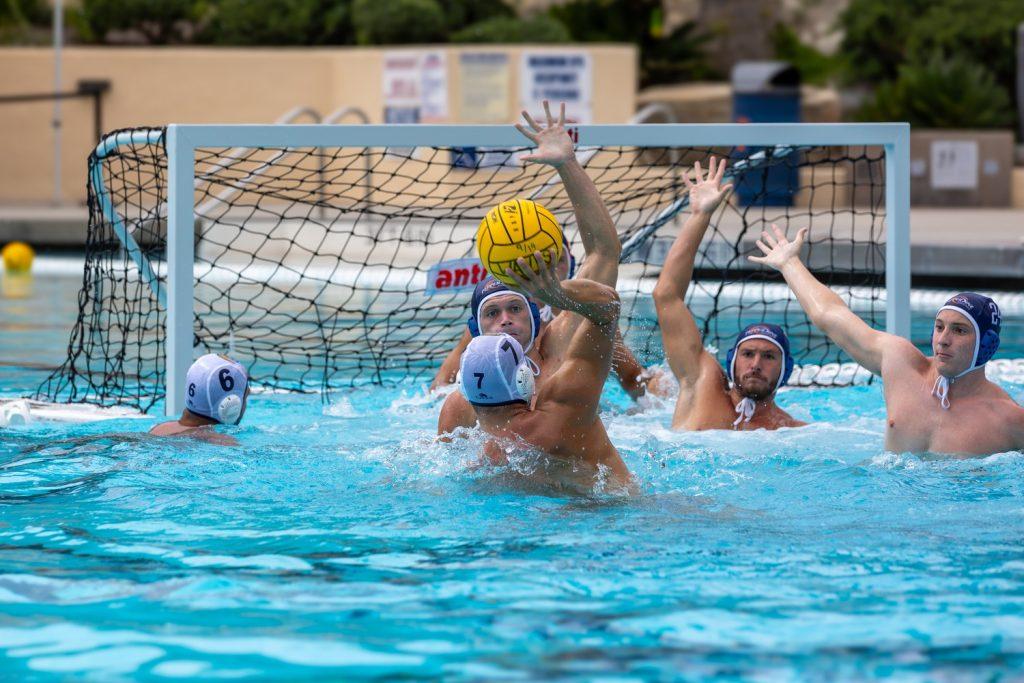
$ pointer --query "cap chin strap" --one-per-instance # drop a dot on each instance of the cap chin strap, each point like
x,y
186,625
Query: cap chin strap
x,y
745,408
940,389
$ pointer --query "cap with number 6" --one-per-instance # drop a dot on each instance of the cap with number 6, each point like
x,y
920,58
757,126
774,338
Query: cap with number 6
x,y
215,388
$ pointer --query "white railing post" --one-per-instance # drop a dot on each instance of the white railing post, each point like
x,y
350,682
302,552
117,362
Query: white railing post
x,y
180,260
897,234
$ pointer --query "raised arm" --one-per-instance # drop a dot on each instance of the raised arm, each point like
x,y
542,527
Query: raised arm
x,y
680,336
597,231
826,310
588,357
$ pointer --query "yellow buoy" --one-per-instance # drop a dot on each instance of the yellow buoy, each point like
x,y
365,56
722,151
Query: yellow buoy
x,y
17,257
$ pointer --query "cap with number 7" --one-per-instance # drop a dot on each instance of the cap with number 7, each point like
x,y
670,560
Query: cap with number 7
x,y
494,371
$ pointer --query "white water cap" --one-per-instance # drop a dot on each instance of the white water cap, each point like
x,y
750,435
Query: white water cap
x,y
215,388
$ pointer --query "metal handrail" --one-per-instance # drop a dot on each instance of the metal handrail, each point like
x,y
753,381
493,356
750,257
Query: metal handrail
x,y
338,115
288,117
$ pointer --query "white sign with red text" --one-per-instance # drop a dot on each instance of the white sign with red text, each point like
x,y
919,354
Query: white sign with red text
x,y
455,275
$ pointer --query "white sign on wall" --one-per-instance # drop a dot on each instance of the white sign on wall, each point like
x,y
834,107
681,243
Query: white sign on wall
x,y
434,87
415,86
556,76
954,165
401,87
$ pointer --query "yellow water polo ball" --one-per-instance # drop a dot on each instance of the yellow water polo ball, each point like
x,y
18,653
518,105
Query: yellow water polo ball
x,y
515,229
17,257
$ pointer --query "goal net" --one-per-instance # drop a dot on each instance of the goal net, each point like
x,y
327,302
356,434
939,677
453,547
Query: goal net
x,y
347,261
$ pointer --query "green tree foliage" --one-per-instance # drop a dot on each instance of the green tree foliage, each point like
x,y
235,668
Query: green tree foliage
x,y
460,14
982,32
24,13
899,45
671,58
24,21
816,67
941,93
279,22
156,23
398,22
538,29
875,35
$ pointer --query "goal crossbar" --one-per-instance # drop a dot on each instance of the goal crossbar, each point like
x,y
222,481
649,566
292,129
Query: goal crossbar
x,y
182,141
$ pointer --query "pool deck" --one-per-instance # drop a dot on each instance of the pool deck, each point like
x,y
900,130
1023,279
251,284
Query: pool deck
x,y
984,244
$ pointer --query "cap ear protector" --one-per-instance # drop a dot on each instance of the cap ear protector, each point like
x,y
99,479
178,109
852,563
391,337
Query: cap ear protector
x,y
988,346
525,383
229,410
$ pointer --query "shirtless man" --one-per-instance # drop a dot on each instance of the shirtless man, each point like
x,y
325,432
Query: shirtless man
x,y
632,376
559,418
941,404
759,362
497,308
217,393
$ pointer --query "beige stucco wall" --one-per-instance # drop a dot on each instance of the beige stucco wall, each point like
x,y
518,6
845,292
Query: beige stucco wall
x,y
158,86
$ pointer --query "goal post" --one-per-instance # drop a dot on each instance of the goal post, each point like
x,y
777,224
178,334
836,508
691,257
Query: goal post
x,y
186,223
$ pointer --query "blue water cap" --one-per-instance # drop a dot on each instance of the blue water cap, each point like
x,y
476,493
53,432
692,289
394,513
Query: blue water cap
x,y
984,315
768,332
491,287
494,371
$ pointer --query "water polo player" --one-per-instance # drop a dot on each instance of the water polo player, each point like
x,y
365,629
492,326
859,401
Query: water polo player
x,y
938,404
216,393
742,396
600,241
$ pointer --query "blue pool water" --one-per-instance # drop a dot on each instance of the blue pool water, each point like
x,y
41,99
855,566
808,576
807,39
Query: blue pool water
x,y
340,542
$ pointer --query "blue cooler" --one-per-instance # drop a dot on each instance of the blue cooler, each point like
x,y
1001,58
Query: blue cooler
x,y
766,92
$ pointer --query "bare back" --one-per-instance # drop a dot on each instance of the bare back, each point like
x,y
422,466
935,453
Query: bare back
x,y
548,352
565,422
200,433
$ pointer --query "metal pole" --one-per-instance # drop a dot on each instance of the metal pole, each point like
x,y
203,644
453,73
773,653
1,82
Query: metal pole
x,y
58,42
179,330
1020,78
97,115
897,235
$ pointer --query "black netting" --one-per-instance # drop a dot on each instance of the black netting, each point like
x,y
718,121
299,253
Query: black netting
x,y
311,263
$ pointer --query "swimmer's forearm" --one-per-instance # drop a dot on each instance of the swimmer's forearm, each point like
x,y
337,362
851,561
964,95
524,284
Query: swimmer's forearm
x,y
815,298
596,302
678,269
597,230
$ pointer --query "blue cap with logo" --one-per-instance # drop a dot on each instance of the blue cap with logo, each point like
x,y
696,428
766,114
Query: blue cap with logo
x,y
986,319
768,332
490,287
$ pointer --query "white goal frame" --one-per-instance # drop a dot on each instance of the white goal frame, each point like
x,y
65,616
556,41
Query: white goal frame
x,y
183,140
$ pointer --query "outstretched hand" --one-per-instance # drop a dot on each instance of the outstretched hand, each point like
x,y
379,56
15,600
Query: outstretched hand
x,y
554,146
777,249
542,284
707,193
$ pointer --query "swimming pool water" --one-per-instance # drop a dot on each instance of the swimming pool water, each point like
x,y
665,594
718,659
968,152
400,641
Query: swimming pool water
x,y
340,542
